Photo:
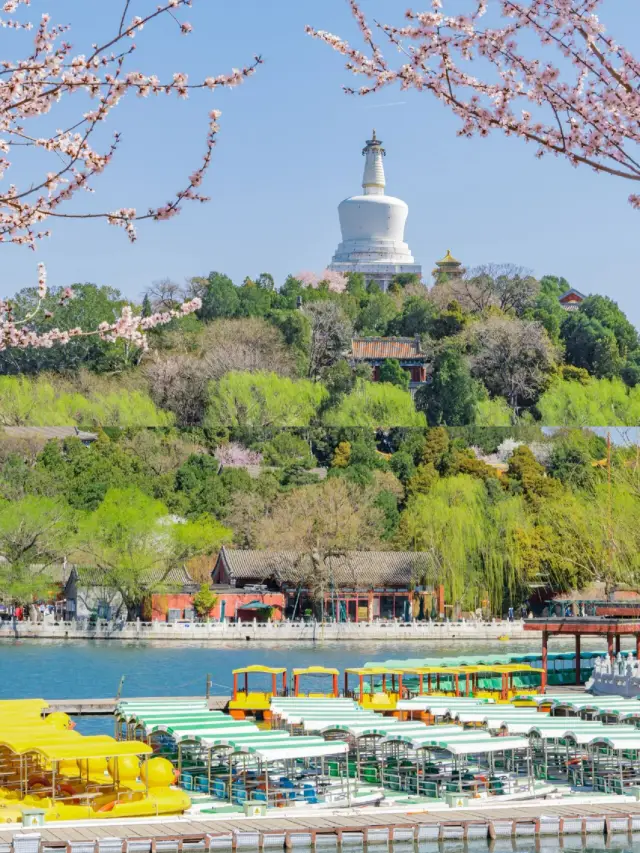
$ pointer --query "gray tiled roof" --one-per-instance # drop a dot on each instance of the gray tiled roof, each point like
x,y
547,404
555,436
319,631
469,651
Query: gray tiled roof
x,y
570,291
47,433
177,577
361,569
56,572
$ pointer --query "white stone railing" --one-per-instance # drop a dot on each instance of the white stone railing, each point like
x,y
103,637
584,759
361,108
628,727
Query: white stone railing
x,y
266,631
619,676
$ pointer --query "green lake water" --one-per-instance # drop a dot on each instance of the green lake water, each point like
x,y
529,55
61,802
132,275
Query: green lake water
x,y
57,669
92,669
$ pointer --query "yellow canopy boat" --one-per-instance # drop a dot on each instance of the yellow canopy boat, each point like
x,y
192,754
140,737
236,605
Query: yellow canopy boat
x,y
379,688
257,702
316,671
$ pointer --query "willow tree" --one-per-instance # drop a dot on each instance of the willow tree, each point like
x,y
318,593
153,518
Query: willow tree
x,y
473,540
262,400
503,572
592,537
597,402
35,533
135,546
450,524
373,405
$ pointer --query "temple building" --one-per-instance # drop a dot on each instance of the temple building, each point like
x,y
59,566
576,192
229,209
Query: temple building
x,y
448,268
372,227
407,351
571,299
356,586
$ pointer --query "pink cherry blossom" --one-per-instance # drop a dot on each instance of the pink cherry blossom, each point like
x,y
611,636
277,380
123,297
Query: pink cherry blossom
x,y
335,281
554,76
31,88
232,454
18,332
53,71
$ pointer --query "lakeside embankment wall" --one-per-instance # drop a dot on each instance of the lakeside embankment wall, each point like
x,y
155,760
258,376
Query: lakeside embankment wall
x,y
268,632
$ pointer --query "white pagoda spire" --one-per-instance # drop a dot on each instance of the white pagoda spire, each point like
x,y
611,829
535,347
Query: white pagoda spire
x,y
372,226
373,182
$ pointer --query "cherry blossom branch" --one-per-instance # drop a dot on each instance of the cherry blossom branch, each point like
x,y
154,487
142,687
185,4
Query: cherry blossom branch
x,y
19,333
592,90
31,88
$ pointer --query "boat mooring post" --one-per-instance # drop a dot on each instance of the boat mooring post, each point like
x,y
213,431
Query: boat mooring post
x,y
120,686
208,688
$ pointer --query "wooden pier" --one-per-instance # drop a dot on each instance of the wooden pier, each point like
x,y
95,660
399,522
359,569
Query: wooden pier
x,y
329,828
106,707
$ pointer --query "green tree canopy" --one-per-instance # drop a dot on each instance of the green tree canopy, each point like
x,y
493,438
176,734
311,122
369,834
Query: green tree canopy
x,y
468,540
220,297
259,400
416,318
571,458
35,533
591,345
375,405
600,402
135,544
41,402
391,372
376,314
452,394
204,601
90,306
286,449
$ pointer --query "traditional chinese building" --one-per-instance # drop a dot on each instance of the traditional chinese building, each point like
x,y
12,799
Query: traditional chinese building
x,y
407,351
571,299
448,268
356,586
87,593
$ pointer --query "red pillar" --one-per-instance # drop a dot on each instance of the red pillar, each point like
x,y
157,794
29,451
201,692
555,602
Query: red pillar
x,y
618,638
441,600
545,649
578,659
610,645
637,646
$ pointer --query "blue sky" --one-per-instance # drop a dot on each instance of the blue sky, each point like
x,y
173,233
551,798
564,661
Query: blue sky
x,y
289,152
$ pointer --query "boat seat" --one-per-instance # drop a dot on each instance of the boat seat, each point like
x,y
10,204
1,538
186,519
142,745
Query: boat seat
x,y
202,784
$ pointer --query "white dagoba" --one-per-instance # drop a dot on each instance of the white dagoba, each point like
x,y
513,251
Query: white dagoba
x,y
372,227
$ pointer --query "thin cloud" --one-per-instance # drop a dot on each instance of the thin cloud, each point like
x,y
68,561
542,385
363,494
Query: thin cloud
x,y
380,106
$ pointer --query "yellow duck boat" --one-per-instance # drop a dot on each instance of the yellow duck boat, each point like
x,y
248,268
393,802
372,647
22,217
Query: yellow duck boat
x,y
45,765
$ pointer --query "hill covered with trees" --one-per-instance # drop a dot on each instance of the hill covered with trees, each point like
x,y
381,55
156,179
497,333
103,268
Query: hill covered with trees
x,y
500,349
498,513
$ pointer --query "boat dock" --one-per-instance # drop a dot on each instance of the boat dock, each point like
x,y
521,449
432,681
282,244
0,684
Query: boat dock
x,y
106,707
328,829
